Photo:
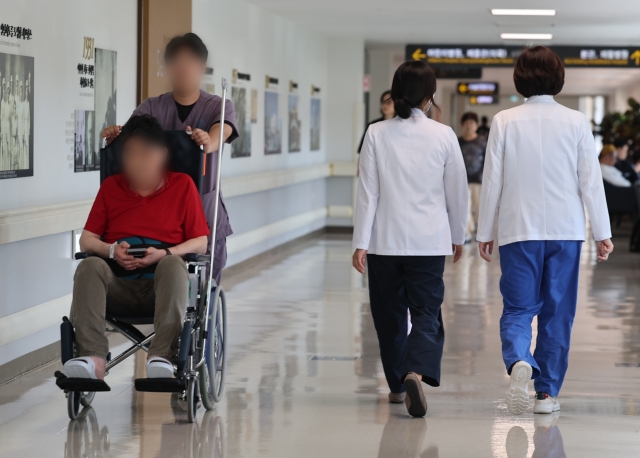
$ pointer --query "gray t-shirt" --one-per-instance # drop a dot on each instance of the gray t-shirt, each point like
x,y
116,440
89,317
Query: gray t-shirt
x,y
473,153
205,113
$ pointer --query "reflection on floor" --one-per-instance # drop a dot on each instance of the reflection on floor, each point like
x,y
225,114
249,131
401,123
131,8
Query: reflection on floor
x,y
282,402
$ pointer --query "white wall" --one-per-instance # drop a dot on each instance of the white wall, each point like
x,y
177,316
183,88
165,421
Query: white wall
x,y
37,271
346,117
59,29
244,37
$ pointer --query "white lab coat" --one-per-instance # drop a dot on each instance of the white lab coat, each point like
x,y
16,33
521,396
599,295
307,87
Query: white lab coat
x,y
412,189
541,170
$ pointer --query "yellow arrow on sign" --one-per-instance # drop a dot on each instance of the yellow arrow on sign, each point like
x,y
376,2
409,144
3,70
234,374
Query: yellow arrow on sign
x,y
418,54
463,88
636,56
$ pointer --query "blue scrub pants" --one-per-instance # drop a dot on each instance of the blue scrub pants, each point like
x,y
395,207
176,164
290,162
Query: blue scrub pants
x,y
539,278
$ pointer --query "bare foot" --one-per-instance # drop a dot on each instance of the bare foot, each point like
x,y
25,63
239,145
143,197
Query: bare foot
x,y
101,366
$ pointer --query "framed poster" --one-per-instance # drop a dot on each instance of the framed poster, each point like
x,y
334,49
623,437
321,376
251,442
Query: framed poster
x,y
80,158
272,124
16,116
106,72
254,106
241,147
294,124
315,124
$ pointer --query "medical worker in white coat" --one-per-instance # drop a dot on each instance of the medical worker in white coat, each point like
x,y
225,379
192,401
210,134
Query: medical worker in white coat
x,y
411,212
541,171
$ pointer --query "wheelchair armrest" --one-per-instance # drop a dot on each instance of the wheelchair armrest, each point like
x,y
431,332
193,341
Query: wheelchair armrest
x,y
82,255
195,257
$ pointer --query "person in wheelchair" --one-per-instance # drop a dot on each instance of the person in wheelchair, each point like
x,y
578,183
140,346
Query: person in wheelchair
x,y
145,202
191,109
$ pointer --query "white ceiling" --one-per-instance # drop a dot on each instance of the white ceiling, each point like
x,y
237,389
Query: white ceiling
x,y
578,22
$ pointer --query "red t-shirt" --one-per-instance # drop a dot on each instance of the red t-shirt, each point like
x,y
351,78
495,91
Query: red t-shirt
x,y
173,214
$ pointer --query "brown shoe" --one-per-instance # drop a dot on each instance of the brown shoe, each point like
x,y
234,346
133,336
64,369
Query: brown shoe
x,y
397,398
415,401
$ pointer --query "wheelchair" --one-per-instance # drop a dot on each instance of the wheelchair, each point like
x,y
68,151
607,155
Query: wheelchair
x,y
200,365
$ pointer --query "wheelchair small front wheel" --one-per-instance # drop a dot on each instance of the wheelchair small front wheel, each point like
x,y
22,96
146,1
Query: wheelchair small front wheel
x,y
73,404
192,399
86,398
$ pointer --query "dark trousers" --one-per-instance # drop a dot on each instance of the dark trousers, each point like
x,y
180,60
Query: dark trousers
x,y
398,284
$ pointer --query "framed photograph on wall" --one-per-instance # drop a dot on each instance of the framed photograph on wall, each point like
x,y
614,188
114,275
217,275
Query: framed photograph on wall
x,y
241,147
16,116
106,72
79,142
294,124
272,124
315,124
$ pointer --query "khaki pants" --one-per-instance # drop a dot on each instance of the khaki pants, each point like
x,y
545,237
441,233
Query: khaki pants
x,y
474,209
96,289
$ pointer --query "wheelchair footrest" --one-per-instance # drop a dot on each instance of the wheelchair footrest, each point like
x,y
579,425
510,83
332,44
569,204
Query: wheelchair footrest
x,y
161,385
80,384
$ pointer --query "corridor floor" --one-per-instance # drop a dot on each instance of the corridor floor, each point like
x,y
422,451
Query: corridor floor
x,y
305,380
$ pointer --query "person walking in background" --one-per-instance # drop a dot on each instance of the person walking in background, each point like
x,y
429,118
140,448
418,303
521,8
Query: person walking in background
x,y
484,127
473,147
386,110
410,213
542,170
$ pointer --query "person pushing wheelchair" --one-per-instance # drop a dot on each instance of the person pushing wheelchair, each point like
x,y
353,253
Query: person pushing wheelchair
x,y
148,202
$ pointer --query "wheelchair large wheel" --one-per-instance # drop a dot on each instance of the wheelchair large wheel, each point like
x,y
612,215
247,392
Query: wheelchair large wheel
x,y
192,399
212,372
73,404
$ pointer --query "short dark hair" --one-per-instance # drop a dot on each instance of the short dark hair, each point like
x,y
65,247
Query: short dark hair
x,y
413,83
190,42
469,115
145,127
620,142
539,71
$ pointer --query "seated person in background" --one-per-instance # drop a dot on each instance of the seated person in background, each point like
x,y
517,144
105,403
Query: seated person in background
x,y
610,173
624,163
146,201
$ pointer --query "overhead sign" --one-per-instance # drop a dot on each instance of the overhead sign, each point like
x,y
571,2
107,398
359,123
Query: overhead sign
x,y
478,56
484,100
478,88
506,56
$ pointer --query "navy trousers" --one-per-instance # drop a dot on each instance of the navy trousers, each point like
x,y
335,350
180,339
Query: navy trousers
x,y
398,284
539,278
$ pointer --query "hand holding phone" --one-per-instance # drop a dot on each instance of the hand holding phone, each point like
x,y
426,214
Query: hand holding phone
x,y
137,252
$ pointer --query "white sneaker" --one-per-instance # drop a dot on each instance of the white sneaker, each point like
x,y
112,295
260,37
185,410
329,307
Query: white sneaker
x,y
159,368
545,404
82,367
518,394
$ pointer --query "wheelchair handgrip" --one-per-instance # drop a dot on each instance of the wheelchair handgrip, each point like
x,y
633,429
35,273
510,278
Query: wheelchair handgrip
x,y
195,257
82,255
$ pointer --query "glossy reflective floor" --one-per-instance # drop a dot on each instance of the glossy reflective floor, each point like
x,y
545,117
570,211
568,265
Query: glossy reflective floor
x,y
305,380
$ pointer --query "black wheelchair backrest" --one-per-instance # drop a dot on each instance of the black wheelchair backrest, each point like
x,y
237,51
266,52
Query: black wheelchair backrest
x,y
184,156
